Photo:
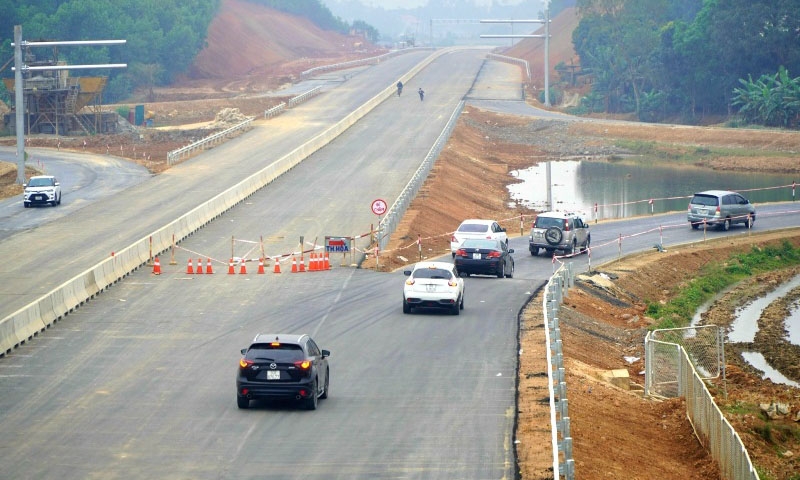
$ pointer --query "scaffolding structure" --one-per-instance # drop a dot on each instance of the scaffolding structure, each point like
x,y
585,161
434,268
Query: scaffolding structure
x,y
55,102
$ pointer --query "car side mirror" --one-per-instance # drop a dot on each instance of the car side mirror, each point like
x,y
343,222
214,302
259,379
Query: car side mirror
x,y
510,250
407,273
326,353
24,185
57,184
244,351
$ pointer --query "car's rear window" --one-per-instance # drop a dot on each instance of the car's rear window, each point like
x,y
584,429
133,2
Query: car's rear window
x,y
480,243
473,228
433,273
707,200
284,352
547,222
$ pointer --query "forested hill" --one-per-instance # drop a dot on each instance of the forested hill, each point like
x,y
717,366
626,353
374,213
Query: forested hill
x,y
163,37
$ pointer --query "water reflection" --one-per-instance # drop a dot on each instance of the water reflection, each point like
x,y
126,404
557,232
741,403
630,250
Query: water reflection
x,y
622,189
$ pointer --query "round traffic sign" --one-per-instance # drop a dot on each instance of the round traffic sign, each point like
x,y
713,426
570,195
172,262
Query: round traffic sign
x,y
379,207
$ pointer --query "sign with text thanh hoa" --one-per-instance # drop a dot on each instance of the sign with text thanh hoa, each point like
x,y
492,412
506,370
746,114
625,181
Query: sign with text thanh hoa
x,y
337,244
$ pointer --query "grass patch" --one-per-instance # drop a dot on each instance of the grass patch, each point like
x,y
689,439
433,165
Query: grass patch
x,y
690,155
714,278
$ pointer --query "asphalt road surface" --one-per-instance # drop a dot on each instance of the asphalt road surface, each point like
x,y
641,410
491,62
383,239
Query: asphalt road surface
x,y
139,382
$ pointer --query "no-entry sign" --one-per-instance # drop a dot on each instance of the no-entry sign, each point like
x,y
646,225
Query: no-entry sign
x,y
379,207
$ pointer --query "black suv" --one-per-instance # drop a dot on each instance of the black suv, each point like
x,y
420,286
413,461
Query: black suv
x,y
281,366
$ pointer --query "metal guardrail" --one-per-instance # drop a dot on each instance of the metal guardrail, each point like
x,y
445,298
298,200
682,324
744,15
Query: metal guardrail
x,y
561,439
518,61
394,214
711,427
275,111
209,141
304,96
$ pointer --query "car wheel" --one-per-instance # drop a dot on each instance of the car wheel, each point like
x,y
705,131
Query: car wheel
x,y
752,220
406,307
572,246
59,200
242,402
26,204
550,252
461,303
534,251
511,273
501,271
726,225
695,225
53,203
586,245
456,308
327,385
311,402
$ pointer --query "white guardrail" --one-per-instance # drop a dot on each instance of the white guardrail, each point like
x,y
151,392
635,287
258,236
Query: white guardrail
x,y
174,156
28,321
561,439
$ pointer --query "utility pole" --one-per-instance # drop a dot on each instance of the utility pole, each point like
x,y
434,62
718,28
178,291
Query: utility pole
x,y
19,98
546,37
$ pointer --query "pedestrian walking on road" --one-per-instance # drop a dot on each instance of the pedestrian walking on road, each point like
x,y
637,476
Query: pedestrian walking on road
x,y
421,94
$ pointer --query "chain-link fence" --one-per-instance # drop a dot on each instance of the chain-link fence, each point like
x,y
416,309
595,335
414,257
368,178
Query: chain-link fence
x,y
677,363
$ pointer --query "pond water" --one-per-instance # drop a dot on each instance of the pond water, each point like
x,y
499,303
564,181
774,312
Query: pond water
x,y
745,326
623,189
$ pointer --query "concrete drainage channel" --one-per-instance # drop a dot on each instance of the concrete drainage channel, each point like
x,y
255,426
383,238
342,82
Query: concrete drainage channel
x,y
28,321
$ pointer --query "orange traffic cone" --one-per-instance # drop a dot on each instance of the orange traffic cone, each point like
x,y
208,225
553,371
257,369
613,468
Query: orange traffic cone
x,y
260,266
277,268
302,265
189,268
231,271
294,264
199,266
208,266
326,265
156,267
242,268
312,262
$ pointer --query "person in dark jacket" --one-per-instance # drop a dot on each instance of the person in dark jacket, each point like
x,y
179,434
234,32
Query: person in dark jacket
x,y
421,94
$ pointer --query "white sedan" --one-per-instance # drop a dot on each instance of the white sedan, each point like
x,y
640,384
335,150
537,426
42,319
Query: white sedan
x,y
433,285
477,228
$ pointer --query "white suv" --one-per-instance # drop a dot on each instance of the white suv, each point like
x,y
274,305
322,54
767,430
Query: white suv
x,y
42,189
558,231
476,228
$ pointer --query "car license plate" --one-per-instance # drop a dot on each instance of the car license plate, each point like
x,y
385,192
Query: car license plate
x,y
273,374
476,256
431,287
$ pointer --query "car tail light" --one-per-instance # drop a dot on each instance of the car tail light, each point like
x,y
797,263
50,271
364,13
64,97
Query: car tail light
x,y
566,225
453,238
493,255
689,208
452,283
244,363
717,212
461,252
410,281
304,366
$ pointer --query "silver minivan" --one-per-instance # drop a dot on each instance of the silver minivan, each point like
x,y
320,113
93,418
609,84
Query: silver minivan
x,y
720,208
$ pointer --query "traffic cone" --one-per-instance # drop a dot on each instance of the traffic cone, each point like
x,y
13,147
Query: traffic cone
x,y
208,266
294,264
199,266
277,268
302,265
156,267
260,266
312,262
231,271
326,265
189,268
242,268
